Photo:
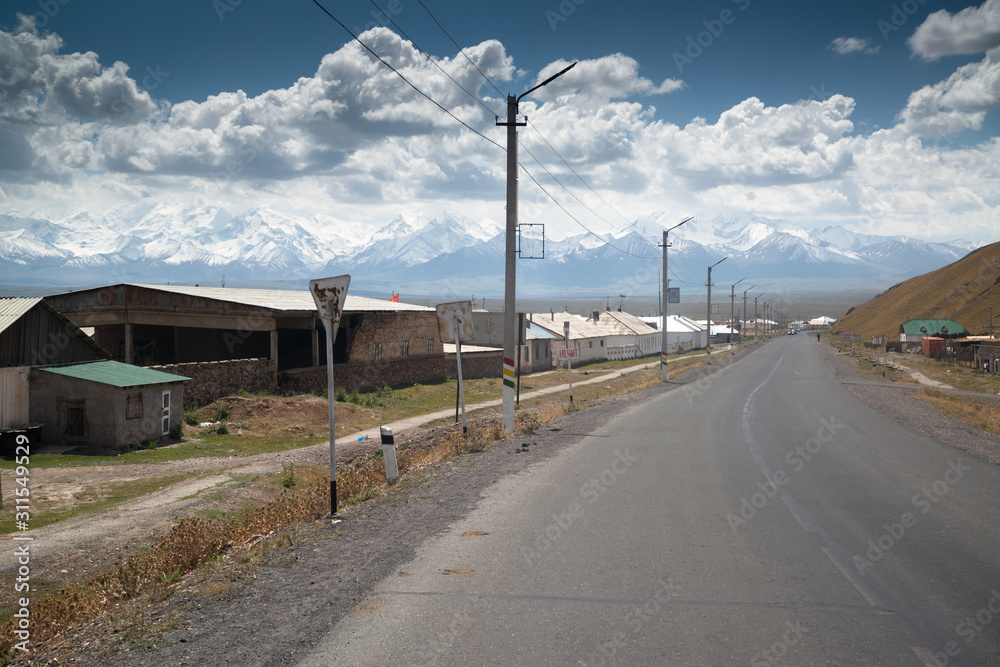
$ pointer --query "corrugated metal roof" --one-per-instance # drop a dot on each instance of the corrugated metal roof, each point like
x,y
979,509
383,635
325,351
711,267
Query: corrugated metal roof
x,y
13,308
538,332
114,373
285,300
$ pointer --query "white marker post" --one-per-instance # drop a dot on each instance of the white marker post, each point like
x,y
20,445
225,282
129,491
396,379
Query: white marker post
x,y
455,325
329,295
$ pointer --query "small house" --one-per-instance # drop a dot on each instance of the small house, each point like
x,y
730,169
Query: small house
x,y
105,404
913,331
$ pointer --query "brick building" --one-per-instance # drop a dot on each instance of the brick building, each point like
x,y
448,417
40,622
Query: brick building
x,y
378,342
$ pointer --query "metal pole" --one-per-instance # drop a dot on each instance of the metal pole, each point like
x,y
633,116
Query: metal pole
x,y
461,391
328,325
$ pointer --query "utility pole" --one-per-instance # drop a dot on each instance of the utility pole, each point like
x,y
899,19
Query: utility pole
x,y
664,349
732,310
755,320
743,324
708,322
510,272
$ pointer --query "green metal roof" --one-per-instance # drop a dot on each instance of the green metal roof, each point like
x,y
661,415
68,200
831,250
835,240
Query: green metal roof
x,y
930,327
114,373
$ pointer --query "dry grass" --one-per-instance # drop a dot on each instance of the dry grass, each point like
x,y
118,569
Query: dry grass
x,y
982,414
190,543
194,542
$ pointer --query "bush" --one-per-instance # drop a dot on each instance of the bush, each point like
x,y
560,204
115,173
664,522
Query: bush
x,y
287,479
191,417
339,394
221,412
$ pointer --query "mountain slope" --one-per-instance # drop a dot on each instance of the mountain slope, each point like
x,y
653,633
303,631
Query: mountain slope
x,y
963,291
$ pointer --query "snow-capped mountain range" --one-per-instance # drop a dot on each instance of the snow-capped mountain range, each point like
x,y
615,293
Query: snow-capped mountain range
x,y
445,253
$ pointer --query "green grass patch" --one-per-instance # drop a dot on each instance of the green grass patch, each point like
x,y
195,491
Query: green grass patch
x,y
92,499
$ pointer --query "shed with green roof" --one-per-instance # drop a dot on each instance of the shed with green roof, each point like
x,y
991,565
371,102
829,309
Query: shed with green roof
x,y
105,404
913,331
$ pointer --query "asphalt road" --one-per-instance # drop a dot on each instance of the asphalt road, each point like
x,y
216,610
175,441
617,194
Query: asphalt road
x,y
761,516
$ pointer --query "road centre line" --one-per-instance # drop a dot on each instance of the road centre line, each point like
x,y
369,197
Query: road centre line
x,y
916,619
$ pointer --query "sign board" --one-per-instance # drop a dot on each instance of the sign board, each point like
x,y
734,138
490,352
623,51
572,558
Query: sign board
x,y
447,312
330,294
673,295
571,353
331,291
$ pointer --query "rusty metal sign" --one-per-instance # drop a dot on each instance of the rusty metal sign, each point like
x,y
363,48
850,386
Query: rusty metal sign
x,y
448,313
332,292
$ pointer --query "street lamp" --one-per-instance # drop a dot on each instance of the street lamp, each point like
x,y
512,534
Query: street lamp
x,y
708,317
509,325
755,320
732,311
666,300
743,324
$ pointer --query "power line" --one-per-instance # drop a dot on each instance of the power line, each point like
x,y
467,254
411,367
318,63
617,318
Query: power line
x,y
561,184
408,82
582,180
576,220
434,62
461,50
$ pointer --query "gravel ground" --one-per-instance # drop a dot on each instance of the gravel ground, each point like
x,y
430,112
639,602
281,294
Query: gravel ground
x,y
900,402
274,614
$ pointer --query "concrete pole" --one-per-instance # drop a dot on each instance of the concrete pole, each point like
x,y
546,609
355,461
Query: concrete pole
x,y
664,349
509,307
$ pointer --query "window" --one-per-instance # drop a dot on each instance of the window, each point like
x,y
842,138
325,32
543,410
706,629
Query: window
x,y
430,347
592,343
377,355
404,352
133,406
526,354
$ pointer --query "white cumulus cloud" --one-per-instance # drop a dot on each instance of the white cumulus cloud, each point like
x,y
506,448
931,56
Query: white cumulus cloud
x,y
972,30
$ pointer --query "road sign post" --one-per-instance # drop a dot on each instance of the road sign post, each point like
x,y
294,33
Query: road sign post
x,y
329,295
455,324
568,355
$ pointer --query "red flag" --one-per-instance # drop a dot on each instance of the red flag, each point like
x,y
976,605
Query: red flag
x,y
395,298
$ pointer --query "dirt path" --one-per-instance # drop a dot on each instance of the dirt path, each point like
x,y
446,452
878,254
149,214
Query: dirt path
x,y
84,544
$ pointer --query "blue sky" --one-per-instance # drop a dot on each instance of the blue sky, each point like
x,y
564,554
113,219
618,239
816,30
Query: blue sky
x,y
880,117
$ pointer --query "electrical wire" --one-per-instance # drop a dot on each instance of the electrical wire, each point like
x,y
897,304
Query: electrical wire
x,y
576,220
461,50
408,82
475,131
582,180
434,62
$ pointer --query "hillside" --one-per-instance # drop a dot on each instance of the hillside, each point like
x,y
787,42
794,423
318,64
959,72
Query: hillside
x,y
963,291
